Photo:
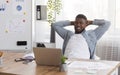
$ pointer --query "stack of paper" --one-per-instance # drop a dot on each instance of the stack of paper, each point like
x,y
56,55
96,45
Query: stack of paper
x,y
78,67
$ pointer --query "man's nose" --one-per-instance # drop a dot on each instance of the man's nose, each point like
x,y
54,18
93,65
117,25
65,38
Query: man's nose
x,y
78,24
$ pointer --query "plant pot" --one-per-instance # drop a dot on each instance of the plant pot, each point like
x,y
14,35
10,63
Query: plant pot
x,y
64,67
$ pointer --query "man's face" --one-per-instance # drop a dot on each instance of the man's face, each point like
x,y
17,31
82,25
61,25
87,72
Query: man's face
x,y
80,25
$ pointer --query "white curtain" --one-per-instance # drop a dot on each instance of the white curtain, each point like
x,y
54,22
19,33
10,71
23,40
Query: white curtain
x,y
93,9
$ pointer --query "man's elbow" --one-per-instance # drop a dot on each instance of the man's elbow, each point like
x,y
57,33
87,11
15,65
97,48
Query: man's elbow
x,y
107,24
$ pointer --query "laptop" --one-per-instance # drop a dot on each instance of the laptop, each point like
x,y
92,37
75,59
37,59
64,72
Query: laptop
x,y
47,56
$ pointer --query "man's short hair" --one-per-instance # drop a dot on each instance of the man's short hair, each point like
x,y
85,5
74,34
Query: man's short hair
x,y
81,16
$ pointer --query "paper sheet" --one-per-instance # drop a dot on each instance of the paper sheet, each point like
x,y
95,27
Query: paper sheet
x,y
89,65
29,54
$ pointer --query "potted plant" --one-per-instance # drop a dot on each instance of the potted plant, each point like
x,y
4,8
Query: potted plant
x,y
53,9
63,64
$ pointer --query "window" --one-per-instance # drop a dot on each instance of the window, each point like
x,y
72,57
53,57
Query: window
x,y
117,14
93,9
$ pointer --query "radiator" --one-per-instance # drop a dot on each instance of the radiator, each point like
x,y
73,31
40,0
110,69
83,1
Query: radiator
x,y
109,49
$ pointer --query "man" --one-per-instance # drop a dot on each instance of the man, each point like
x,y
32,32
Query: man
x,y
82,43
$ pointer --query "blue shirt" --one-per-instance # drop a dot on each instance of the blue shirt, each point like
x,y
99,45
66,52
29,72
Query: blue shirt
x,y
91,36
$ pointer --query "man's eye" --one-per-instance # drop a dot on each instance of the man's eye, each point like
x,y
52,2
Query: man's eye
x,y
76,23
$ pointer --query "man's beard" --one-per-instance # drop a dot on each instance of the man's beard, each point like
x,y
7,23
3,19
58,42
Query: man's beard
x,y
78,32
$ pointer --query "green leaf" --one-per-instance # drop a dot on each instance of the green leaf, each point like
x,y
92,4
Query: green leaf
x,y
63,59
53,7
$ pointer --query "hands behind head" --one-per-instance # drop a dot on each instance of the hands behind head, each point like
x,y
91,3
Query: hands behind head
x,y
88,22
72,22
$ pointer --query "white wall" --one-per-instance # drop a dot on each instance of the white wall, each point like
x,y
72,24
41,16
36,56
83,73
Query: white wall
x,y
42,31
42,27
41,2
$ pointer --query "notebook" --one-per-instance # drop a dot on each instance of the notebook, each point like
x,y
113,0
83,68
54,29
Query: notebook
x,y
47,56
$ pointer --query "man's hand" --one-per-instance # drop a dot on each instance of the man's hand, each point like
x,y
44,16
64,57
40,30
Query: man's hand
x,y
89,22
72,22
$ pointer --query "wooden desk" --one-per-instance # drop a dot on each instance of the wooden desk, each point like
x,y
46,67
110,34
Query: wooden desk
x,y
10,66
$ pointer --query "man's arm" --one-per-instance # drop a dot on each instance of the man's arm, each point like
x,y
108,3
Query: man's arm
x,y
103,26
59,27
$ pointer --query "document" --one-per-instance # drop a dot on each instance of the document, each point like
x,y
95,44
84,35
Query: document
x,y
85,67
89,65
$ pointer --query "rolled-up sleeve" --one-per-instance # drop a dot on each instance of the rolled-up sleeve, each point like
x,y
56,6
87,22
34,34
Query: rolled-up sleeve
x,y
103,26
59,27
